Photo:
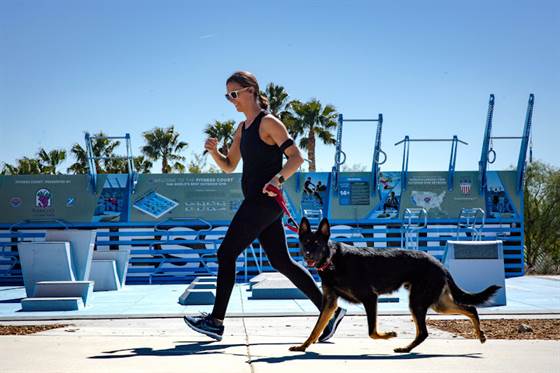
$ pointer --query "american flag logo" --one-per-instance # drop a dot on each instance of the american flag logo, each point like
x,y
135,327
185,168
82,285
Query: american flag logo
x,y
465,186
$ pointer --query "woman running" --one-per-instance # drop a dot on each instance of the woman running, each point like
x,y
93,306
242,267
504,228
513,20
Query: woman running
x,y
261,140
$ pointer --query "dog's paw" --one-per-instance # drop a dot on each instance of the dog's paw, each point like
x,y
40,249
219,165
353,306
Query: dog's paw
x,y
386,335
482,338
402,349
298,348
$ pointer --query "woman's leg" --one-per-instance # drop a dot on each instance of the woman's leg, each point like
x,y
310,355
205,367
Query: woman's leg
x,y
246,225
273,241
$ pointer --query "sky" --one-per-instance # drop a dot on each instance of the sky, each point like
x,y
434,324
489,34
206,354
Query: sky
x,y
67,67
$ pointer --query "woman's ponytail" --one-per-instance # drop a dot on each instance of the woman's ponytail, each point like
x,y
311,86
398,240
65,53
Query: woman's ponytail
x,y
263,101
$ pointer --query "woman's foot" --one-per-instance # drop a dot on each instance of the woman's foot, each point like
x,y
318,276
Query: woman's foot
x,y
332,325
206,325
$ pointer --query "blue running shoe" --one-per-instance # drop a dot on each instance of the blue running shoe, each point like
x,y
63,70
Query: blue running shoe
x,y
332,325
205,324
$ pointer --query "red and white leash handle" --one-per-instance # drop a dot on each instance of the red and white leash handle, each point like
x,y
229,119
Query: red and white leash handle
x,y
292,224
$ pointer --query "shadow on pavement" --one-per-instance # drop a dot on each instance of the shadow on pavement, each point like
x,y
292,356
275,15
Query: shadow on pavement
x,y
188,348
316,356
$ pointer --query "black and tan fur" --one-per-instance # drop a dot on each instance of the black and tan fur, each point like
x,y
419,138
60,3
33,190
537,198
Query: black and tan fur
x,y
360,275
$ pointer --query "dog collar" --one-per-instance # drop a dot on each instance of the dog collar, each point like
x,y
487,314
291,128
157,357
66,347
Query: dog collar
x,y
328,265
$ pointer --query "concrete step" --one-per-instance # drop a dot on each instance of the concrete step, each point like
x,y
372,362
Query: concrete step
x,y
104,274
52,304
204,282
276,288
64,289
195,296
206,279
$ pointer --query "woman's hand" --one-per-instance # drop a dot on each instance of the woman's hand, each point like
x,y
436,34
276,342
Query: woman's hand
x,y
275,183
211,145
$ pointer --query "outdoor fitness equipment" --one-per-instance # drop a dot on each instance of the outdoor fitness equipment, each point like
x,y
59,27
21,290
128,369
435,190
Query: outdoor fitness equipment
x,y
452,160
340,156
488,155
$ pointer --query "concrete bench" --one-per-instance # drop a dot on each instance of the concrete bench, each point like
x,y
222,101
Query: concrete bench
x,y
60,289
52,304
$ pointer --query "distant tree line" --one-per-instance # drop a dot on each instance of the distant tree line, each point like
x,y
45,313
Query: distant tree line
x,y
542,218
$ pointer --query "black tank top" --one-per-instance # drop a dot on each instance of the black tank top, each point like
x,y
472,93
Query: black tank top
x,y
261,161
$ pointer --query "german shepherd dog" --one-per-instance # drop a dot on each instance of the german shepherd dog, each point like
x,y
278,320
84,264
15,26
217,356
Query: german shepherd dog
x,y
360,275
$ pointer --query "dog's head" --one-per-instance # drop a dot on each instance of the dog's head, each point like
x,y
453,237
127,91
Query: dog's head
x,y
315,245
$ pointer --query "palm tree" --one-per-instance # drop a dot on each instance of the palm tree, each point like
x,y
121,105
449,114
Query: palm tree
x,y
277,99
50,160
9,169
311,120
224,132
164,144
142,165
79,167
101,147
25,166
198,165
281,107
117,165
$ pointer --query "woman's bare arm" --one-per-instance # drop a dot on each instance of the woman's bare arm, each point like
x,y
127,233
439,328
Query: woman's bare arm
x,y
273,130
226,163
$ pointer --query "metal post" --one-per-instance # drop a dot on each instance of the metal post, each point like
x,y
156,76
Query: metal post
x,y
376,152
483,163
338,153
452,162
521,162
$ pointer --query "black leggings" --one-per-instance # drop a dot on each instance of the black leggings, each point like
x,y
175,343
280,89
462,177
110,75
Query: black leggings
x,y
259,217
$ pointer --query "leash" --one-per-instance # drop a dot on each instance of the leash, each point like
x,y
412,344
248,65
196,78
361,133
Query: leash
x,y
291,224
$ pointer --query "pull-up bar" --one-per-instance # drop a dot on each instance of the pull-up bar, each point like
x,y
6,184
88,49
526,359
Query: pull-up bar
x,y
430,140
453,159
340,156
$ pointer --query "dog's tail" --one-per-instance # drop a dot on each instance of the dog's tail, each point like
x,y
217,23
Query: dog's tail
x,y
473,299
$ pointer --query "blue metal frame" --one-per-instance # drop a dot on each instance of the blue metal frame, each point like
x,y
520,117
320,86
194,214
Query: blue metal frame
x,y
521,162
452,160
92,170
376,162
483,163
340,156
487,148
338,153
404,167
91,158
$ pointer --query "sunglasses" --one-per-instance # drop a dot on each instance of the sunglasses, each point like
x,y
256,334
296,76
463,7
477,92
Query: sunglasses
x,y
233,95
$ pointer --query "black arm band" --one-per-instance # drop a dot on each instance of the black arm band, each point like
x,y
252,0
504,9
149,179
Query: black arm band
x,y
286,144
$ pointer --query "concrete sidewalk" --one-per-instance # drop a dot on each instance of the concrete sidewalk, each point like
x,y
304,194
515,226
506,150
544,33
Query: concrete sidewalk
x,y
261,345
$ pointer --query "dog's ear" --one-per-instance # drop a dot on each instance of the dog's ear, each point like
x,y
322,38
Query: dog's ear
x,y
304,226
325,228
